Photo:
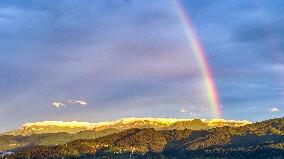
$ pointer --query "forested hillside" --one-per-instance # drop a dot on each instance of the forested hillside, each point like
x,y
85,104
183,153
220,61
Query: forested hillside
x,y
262,140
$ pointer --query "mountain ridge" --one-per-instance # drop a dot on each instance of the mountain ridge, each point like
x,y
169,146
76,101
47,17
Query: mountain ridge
x,y
51,133
74,127
258,140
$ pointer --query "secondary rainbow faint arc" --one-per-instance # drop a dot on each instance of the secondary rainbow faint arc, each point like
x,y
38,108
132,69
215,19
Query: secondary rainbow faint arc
x,y
201,58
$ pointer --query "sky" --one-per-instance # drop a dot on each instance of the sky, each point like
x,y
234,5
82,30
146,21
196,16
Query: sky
x,y
97,60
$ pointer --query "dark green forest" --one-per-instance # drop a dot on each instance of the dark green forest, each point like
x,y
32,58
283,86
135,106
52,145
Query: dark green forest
x,y
258,140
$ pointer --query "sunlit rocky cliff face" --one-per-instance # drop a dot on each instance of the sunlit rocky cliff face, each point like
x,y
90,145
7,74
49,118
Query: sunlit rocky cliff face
x,y
123,124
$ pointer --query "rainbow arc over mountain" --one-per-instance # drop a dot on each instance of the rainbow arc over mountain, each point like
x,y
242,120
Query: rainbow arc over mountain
x,y
200,55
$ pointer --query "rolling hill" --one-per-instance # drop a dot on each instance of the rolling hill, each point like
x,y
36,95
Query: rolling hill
x,y
57,132
122,124
258,140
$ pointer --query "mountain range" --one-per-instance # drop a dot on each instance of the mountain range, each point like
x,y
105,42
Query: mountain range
x,y
50,133
122,124
257,140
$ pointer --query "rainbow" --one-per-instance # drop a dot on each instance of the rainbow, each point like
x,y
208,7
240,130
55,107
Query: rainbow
x,y
201,58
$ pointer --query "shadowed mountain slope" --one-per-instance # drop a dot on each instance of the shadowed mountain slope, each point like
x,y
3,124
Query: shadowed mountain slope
x,y
50,133
263,138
